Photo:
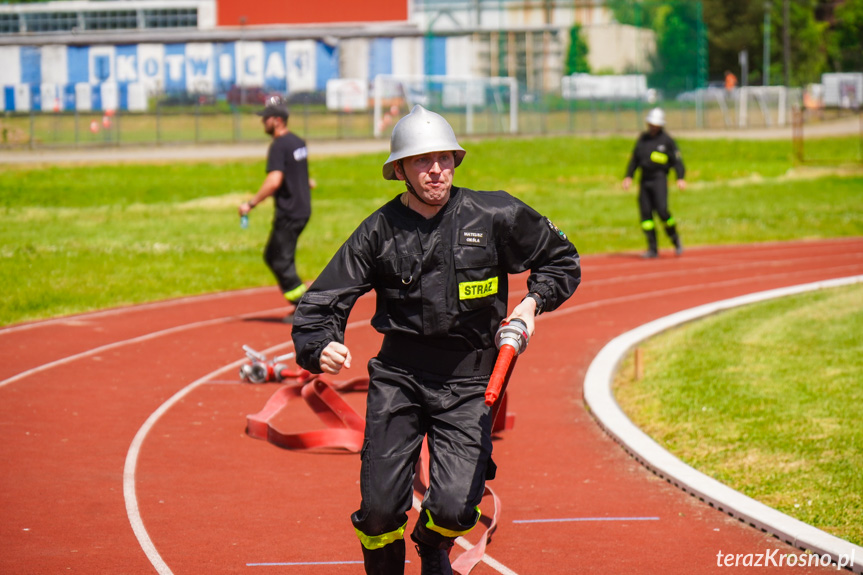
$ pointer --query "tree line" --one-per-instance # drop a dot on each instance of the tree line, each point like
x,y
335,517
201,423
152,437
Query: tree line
x,y
793,42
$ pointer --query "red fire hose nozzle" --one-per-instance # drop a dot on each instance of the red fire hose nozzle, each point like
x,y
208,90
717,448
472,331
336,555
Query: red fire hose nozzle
x,y
511,339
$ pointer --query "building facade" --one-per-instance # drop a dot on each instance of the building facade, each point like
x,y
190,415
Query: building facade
x,y
115,54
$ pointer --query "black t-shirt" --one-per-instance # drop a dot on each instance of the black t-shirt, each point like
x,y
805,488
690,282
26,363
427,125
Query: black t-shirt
x,y
288,154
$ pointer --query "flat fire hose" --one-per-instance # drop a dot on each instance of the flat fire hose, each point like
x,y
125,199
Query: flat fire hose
x,y
344,426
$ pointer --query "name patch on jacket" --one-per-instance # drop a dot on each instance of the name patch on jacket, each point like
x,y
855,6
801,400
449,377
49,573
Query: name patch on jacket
x,y
473,290
473,238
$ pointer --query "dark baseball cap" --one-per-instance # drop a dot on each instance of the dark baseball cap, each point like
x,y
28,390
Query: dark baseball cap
x,y
274,106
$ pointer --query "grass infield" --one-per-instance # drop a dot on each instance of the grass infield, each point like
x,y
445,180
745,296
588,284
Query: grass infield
x,y
765,399
78,238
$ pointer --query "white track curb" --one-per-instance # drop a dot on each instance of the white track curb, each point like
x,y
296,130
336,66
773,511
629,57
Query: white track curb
x,y
600,400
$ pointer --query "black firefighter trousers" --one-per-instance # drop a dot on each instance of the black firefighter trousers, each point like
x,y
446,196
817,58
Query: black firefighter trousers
x,y
403,405
653,197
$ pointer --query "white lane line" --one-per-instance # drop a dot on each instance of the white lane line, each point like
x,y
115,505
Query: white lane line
x,y
129,493
600,399
683,289
121,343
766,248
718,254
565,310
721,266
573,519
82,317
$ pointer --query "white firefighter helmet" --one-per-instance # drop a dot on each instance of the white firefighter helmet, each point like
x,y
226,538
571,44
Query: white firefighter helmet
x,y
421,132
655,117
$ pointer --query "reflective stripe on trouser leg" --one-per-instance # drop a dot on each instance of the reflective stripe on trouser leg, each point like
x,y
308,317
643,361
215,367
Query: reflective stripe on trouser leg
x,y
430,524
648,225
295,294
378,541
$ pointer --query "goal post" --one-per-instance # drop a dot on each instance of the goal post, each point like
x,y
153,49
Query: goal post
x,y
774,103
484,105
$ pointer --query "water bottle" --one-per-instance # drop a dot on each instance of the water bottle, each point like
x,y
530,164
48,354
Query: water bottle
x,y
244,221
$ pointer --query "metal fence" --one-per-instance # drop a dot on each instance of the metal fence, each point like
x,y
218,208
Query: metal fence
x,y
537,114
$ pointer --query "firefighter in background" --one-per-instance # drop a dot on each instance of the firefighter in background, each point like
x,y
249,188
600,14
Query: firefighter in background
x,y
656,154
438,257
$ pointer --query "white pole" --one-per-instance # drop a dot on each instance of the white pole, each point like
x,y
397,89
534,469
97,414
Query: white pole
x,y
513,106
378,97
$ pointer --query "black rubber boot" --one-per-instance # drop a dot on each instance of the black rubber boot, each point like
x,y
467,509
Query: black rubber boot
x,y
434,561
651,252
388,560
675,239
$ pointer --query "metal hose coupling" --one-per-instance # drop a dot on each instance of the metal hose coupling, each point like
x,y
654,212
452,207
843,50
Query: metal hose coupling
x,y
513,333
511,339
254,372
259,370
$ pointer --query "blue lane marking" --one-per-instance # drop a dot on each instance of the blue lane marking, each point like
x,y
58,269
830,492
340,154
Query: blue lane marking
x,y
306,563
566,519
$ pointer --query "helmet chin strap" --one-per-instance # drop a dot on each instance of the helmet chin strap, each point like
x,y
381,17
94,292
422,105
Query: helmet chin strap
x,y
410,187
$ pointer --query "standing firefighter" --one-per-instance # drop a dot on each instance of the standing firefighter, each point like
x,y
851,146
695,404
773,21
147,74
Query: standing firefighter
x,y
656,154
288,181
438,257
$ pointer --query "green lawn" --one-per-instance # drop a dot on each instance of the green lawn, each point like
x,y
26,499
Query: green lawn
x,y
765,399
88,237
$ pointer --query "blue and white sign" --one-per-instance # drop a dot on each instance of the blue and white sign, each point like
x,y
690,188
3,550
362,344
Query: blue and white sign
x,y
72,77
103,77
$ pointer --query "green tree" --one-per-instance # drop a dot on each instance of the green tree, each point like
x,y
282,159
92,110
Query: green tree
x,y
734,26
845,39
576,55
675,63
807,39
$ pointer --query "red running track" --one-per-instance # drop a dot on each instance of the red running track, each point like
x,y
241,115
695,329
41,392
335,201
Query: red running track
x,y
124,452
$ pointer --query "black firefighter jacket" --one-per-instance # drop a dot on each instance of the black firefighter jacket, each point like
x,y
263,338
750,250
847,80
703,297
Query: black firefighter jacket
x,y
656,156
442,280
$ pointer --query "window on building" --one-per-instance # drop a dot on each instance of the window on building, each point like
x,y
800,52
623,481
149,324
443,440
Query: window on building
x,y
171,18
110,19
9,24
50,21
